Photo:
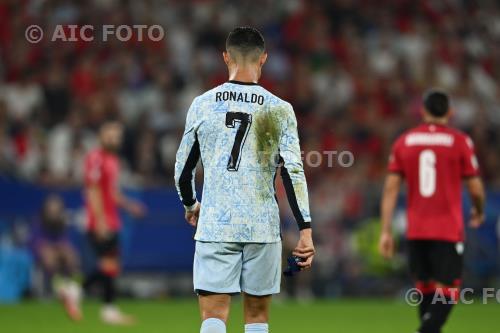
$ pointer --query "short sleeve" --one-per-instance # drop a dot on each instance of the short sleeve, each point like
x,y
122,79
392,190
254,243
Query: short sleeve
x,y
468,160
395,162
93,169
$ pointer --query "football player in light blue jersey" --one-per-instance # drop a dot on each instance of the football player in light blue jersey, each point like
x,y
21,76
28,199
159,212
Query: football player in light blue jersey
x,y
242,134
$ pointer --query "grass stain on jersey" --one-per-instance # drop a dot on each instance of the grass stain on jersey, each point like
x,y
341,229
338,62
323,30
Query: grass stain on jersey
x,y
267,135
267,132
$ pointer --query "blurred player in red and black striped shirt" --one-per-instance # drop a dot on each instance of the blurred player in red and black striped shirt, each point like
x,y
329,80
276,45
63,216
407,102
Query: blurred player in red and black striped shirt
x,y
433,159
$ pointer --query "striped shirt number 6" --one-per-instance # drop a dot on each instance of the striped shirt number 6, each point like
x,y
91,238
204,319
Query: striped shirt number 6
x,y
427,173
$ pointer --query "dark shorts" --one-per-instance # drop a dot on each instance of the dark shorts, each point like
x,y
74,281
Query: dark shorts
x,y
437,261
104,247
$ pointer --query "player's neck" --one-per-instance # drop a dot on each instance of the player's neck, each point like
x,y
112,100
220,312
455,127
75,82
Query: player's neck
x,y
247,74
108,150
436,121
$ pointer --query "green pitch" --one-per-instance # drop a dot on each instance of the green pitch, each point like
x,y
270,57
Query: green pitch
x,y
172,316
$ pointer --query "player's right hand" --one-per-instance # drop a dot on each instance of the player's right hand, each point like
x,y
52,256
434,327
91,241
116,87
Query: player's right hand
x,y
102,230
386,245
137,209
476,219
192,215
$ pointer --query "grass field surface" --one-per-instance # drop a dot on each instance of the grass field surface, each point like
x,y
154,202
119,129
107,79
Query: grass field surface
x,y
181,316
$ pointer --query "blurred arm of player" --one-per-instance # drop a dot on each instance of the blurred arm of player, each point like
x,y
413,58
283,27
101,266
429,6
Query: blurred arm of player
x,y
389,199
186,160
94,196
476,191
133,207
470,171
294,180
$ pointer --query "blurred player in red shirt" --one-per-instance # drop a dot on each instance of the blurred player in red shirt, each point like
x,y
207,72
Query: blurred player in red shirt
x,y
103,198
433,159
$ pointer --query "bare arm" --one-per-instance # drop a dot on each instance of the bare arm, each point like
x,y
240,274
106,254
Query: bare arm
x,y
389,199
94,197
131,206
476,191
122,200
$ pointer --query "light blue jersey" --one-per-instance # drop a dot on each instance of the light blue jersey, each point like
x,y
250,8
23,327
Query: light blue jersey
x,y
242,133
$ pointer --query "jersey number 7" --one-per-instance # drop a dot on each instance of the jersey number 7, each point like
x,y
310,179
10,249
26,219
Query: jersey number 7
x,y
245,121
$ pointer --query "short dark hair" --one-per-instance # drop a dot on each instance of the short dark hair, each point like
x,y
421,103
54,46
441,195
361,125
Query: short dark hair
x,y
245,40
109,121
436,103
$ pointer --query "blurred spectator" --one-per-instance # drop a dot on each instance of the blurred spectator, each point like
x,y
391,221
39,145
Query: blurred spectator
x,y
353,63
23,97
57,257
66,146
57,95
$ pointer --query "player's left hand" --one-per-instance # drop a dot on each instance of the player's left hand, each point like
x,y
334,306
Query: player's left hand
x,y
476,219
305,249
192,215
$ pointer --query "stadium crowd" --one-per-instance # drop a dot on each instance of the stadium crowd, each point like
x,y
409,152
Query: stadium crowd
x,y
354,71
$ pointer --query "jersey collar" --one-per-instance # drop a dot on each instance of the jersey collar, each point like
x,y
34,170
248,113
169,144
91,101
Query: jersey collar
x,y
243,83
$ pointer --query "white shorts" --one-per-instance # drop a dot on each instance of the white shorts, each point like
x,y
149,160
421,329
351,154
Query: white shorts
x,y
232,268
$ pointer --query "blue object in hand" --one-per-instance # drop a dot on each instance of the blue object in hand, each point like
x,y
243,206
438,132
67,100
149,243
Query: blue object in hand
x,y
293,267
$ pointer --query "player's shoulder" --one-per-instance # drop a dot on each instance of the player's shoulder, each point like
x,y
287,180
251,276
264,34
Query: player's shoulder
x,y
208,95
275,101
96,156
402,136
461,137
207,99
200,103
94,153
457,133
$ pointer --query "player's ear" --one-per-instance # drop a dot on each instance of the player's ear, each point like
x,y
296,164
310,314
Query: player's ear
x,y
450,114
226,57
423,112
262,59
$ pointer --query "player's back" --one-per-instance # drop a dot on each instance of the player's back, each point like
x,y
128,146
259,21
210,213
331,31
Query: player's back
x,y
242,130
434,159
